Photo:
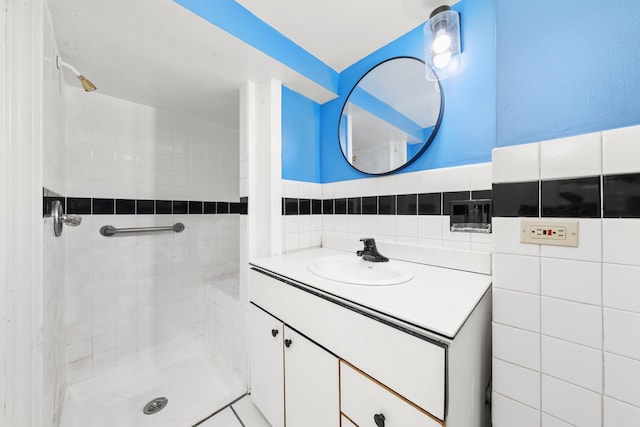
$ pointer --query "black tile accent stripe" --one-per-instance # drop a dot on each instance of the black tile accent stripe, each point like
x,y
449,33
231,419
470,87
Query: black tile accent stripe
x,y
354,206
571,198
449,197
370,205
516,199
387,205
100,206
430,204
290,206
316,206
327,207
304,206
340,206
407,204
621,196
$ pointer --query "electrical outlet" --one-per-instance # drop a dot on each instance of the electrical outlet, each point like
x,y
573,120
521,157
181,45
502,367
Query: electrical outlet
x,y
545,232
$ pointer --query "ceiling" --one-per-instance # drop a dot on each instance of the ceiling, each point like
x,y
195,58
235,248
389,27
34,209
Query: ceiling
x,y
157,53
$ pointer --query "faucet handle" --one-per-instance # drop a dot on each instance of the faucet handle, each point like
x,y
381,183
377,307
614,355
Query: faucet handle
x,y
369,242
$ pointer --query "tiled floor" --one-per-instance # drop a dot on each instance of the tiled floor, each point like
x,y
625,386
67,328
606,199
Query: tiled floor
x,y
241,413
196,384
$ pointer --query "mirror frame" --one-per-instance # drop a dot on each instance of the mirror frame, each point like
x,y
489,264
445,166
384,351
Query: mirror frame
x,y
429,140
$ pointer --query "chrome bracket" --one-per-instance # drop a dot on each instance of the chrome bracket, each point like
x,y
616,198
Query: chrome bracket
x,y
60,218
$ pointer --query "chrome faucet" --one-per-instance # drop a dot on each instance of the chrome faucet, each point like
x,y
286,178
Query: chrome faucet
x,y
370,252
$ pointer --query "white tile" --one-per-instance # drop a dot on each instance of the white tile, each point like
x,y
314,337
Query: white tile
x,y
455,179
369,225
504,411
516,272
225,418
516,346
480,176
79,350
622,378
549,421
589,243
572,280
572,157
622,333
387,185
516,309
456,244
407,226
407,183
571,403
571,321
621,287
430,227
573,363
369,187
518,163
430,181
388,225
506,238
620,150
354,224
619,414
249,414
518,383
619,240
353,188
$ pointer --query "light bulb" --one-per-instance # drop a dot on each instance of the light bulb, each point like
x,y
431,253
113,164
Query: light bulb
x,y
441,43
442,60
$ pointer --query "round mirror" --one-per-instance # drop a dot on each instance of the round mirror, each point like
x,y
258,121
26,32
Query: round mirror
x,y
390,117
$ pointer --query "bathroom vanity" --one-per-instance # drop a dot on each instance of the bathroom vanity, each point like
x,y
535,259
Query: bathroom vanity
x,y
410,348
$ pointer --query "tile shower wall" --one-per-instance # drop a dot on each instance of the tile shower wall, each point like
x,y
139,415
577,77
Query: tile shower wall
x,y
53,168
566,322
409,208
130,296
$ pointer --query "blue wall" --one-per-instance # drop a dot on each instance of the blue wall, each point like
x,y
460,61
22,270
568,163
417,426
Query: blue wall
x,y
566,68
300,136
467,133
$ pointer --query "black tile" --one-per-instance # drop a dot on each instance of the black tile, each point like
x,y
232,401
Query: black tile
x,y
429,204
621,196
316,206
244,200
180,207
209,207
304,206
354,205
79,205
327,207
234,207
481,194
291,206
340,206
386,205
195,207
571,198
370,205
449,197
164,207
222,207
407,204
516,199
102,206
145,207
125,207
244,206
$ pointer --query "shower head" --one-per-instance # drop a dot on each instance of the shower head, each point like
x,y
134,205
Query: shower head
x,y
86,83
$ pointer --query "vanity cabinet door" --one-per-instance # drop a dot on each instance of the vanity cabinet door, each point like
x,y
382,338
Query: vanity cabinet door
x,y
311,383
266,364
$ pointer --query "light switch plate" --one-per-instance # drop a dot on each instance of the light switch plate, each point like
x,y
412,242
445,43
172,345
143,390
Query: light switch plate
x,y
545,232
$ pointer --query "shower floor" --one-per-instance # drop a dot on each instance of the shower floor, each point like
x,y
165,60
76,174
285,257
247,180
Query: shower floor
x,y
196,385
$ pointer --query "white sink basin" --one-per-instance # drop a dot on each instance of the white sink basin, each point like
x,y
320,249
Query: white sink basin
x,y
354,270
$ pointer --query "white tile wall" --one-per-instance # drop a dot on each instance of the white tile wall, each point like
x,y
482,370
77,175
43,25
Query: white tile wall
x,y
425,230
587,344
132,296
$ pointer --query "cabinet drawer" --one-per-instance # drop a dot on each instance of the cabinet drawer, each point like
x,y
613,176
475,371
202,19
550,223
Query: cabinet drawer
x,y
361,399
409,365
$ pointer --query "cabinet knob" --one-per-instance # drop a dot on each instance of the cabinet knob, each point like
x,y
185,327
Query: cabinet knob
x,y
287,343
379,419
274,332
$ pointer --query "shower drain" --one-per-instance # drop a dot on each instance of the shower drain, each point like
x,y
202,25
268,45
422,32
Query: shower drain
x,y
155,406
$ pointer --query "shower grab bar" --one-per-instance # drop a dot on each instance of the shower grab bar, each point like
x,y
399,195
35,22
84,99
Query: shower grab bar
x,y
110,230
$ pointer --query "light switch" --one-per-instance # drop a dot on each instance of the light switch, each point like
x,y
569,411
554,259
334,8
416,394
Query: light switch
x,y
545,232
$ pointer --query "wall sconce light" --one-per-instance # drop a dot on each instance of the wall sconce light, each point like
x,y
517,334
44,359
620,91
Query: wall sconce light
x,y
442,43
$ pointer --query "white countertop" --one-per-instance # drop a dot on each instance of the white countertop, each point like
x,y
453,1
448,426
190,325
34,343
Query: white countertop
x,y
436,299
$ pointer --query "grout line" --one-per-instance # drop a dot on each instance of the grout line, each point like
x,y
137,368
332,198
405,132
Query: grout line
x,y
228,405
237,416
